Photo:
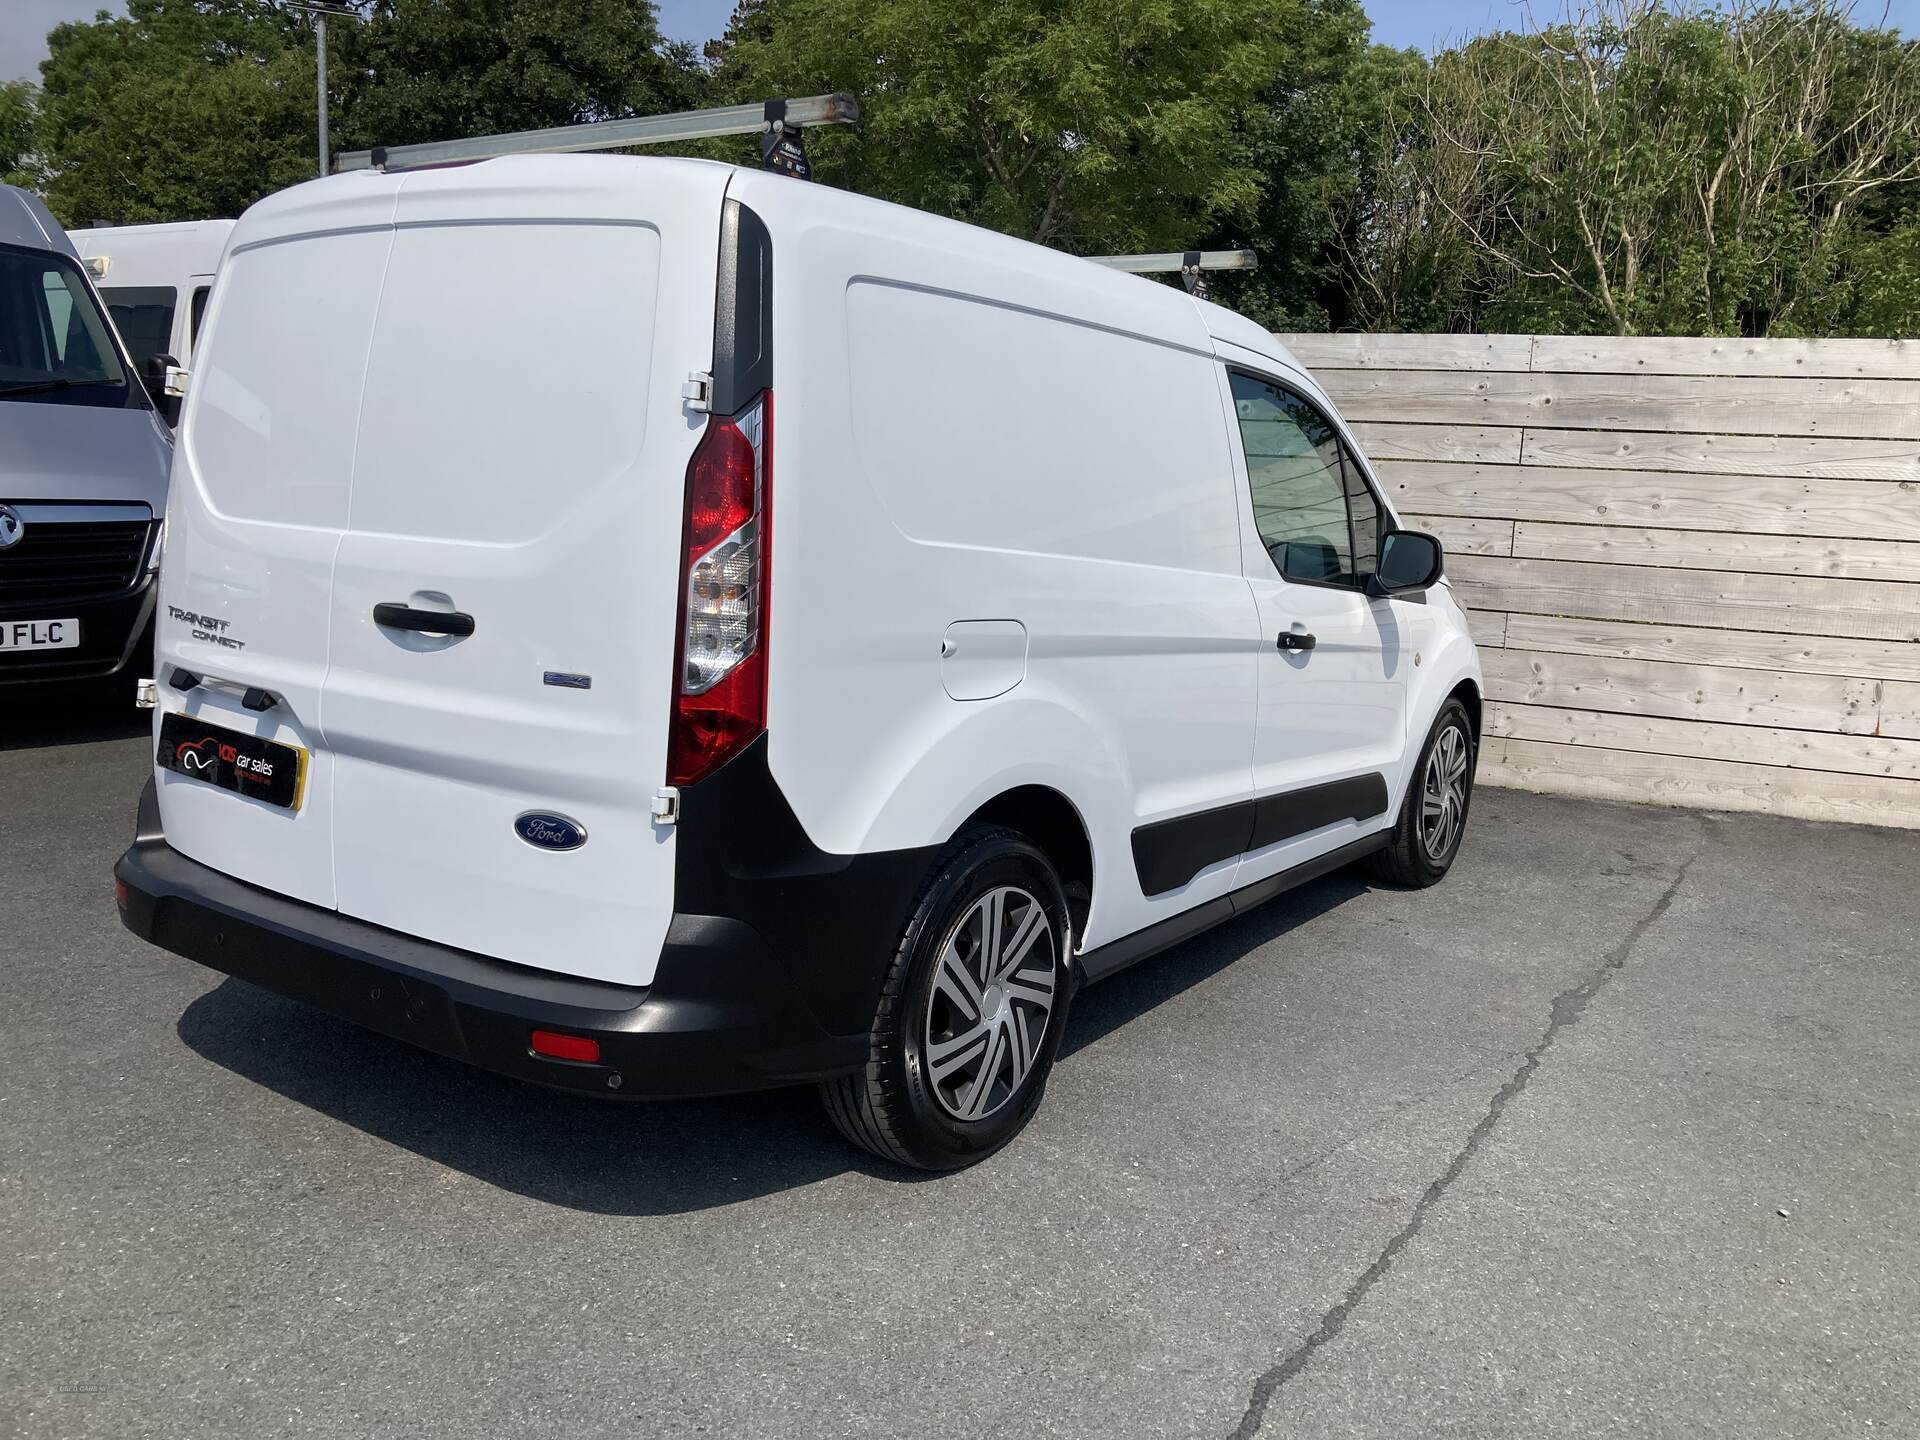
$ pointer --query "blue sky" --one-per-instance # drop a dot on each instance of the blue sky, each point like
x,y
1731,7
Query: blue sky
x,y
1422,23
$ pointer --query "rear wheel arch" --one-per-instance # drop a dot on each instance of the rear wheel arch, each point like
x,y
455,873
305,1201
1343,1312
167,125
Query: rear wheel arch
x,y
1468,694
1054,824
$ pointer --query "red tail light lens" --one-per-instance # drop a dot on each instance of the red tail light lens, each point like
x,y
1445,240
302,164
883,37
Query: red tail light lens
x,y
720,669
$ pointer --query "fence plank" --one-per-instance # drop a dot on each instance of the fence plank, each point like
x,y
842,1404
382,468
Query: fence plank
x,y
1750,505
1723,454
1839,559
1894,662
1709,784
1746,744
1797,604
1714,405
1463,536
1647,355
1485,444
1847,705
1488,628
1410,352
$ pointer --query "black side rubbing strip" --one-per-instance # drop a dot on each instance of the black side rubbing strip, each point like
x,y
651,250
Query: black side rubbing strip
x,y
1169,853
742,310
1281,817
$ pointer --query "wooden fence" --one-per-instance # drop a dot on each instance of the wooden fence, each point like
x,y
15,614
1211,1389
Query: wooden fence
x,y
1693,565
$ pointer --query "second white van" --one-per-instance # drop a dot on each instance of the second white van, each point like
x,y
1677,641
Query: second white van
x,y
155,280
655,628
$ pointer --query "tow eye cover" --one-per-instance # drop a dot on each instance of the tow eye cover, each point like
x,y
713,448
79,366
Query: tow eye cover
x,y
550,832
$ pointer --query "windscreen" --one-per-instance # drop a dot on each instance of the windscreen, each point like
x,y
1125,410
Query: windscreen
x,y
54,343
143,314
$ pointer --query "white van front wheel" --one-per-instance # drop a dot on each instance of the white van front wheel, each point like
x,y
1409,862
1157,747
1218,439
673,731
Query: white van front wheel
x,y
970,1016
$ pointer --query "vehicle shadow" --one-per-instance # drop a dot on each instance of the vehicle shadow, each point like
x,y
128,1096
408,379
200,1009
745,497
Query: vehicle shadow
x,y
33,717
633,1158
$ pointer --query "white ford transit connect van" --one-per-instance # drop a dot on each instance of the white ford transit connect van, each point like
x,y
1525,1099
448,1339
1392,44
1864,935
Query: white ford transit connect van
x,y
656,628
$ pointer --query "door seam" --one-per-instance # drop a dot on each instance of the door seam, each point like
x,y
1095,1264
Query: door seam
x,y
333,566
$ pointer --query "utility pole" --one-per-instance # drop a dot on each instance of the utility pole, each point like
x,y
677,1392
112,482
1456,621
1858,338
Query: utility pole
x,y
320,10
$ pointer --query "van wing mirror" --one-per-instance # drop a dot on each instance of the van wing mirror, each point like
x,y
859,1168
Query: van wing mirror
x,y
165,382
1409,561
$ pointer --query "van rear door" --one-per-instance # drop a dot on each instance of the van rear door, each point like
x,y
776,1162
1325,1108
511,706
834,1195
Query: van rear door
x,y
257,509
521,461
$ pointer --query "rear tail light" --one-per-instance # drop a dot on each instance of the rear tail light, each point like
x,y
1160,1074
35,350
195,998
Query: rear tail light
x,y
720,670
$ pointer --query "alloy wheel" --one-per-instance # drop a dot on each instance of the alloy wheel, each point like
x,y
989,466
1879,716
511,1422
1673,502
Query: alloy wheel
x,y
990,1002
1443,793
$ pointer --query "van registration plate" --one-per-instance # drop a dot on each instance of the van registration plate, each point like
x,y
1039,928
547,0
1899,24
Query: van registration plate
x,y
233,760
39,634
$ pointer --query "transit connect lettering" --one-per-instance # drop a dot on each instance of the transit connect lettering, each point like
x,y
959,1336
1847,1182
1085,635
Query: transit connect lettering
x,y
209,628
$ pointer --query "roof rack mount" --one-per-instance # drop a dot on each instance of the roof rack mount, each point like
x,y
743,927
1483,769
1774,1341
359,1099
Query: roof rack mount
x,y
782,120
1189,263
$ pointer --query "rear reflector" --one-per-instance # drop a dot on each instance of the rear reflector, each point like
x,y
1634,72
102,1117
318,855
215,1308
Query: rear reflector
x,y
555,1046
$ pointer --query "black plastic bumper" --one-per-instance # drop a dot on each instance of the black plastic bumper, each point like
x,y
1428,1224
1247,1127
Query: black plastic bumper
x,y
114,634
723,1014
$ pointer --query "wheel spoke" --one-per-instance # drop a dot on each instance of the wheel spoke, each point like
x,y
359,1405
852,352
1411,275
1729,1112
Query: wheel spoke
x,y
1027,988
992,912
974,1104
955,981
1022,1039
946,1056
1028,931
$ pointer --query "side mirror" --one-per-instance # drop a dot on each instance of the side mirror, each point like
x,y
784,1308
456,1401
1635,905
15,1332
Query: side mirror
x,y
1409,561
165,382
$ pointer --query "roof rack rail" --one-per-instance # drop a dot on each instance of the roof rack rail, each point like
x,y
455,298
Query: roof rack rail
x,y
779,123
1188,262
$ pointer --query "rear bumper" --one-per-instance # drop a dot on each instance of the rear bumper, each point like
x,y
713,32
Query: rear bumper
x,y
114,633
722,1013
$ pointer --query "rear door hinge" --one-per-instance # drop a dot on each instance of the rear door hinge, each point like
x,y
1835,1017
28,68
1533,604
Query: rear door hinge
x,y
666,805
697,391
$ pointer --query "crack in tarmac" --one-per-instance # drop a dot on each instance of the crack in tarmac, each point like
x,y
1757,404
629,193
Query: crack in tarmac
x,y
1567,1008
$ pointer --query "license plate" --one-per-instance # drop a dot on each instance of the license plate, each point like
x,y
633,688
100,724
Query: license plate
x,y
39,634
244,764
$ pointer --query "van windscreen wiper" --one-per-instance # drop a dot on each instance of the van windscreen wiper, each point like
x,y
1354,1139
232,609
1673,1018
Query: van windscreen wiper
x,y
41,387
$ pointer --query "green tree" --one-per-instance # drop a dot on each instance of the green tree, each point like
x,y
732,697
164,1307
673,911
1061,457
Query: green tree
x,y
1088,124
180,109
18,103
1318,144
436,69
184,109
1643,170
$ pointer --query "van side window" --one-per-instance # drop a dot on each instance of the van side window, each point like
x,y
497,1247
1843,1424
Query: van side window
x,y
1301,482
197,314
143,314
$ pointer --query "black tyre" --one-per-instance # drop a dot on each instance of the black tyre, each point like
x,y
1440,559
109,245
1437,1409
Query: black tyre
x,y
1433,817
971,1012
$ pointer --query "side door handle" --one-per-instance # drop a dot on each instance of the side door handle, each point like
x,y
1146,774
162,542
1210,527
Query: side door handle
x,y
1296,640
426,622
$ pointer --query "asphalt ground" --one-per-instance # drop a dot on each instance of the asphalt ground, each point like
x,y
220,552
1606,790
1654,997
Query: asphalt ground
x,y
1613,1133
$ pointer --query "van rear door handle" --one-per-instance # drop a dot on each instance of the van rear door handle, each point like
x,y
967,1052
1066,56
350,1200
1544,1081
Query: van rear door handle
x,y
1297,640
427,622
